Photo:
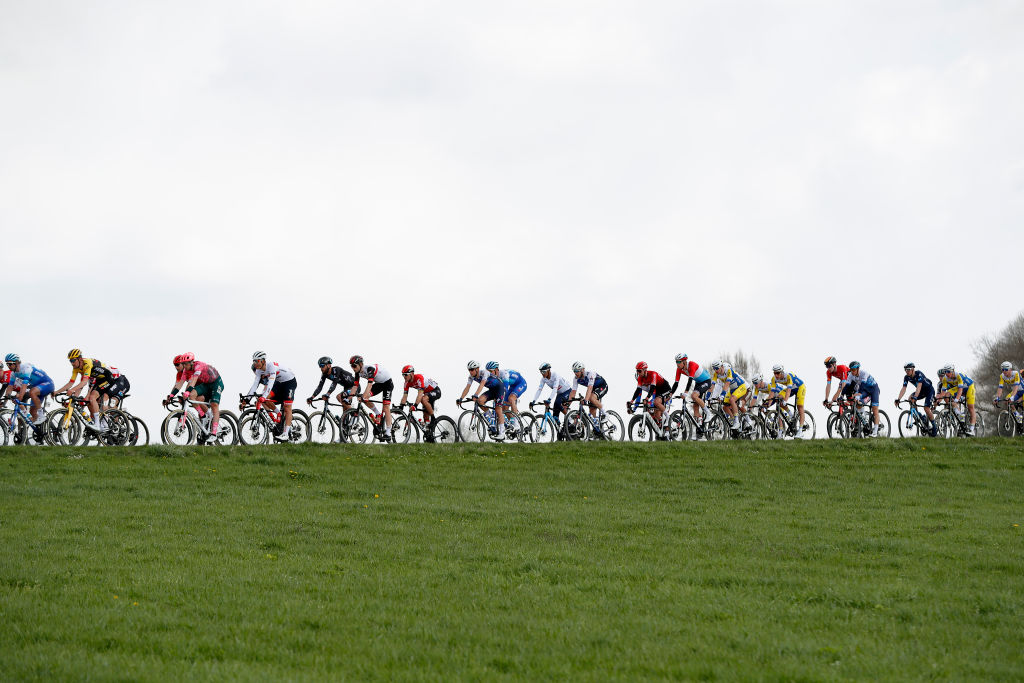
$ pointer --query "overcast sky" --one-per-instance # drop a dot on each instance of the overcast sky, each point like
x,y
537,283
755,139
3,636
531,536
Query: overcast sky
x,y
430,182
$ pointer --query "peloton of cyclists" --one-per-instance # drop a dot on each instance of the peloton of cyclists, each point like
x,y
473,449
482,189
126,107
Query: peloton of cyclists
x,y
1008,377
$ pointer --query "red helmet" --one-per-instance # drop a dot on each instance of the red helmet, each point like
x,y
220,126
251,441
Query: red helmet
x,y
830,360
354,360
641,366
187,357
177,359
408,370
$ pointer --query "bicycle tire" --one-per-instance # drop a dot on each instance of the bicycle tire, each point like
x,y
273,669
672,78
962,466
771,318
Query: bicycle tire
x,y
612,426
639,430
678,421
543,430
120,426
402,429
177,432
322,428
837,426
443,429
298,430
472,427
354,427
253,429
578,426
57,434
907,425
1005,424
884,426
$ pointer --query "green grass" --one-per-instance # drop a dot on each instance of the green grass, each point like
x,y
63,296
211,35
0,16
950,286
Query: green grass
x,y
814,560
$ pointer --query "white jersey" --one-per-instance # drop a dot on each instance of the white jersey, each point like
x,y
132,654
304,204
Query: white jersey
x,y
379,377
587,380
557,383
271,372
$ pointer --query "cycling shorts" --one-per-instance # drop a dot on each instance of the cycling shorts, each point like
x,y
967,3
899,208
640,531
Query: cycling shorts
x,y
494,392
703,386
927,395
46,388
737,393
116,389
559,400
384,388
1017,396
870,392
801,394
211,391
432,396
519,388
600,389
283,392
970,395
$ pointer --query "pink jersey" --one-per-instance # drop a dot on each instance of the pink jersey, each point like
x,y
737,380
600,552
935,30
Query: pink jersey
x,y
201,374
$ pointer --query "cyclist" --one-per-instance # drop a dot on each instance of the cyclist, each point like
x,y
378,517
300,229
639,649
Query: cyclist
x,y
733,387
378,381
964,391
515,385
338,376
82,366
106,384
560,388
596,386
924,391
427,392
495,391
281,385
28,379
841,373
694,373
783,385
1008,377
658,392
204,380
865,390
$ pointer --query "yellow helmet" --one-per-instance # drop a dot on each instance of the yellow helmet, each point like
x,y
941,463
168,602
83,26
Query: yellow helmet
x,y
74,353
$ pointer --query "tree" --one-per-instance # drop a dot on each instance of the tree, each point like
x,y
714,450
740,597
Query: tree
x,y
991,350
746,364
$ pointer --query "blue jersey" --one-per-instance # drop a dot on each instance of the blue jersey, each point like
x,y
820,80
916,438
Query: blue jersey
x,y
511,377
917,379
29,374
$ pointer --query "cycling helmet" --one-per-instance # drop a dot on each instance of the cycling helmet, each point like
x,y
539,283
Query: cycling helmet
x,y
370,371
778,367
757,379
909,365
577,366
324,360
681,356
12,358
472,365
831,360
544,367
641,366
727,366
188,357
952,368
717,365
259,355
177,359
492,365
948,367
408,370
854,365
74,354
355,360
1007,365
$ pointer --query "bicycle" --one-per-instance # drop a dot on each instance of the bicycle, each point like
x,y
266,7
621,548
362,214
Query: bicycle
x,y
1010,420
186,426
544,428
644,428
139,427
477,423
954,419
712,426
842,425
68,425
407,427
783,420
913,422
324,425
19,423
612,428
257,423
355,424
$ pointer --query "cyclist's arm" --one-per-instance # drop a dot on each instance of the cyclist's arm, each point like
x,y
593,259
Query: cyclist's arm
x,y
419,397
540,388
253,388
903,390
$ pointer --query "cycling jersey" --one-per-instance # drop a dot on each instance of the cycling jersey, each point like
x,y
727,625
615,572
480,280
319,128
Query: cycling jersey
x,y
85,370
380,375
730,379
863,379
271,373
589,379
954,383
421,383
917,379
788,381
511,377
557,383
841,372
652,381
1012,381
28,374
102,378
337,375
694,371
201,374
483,377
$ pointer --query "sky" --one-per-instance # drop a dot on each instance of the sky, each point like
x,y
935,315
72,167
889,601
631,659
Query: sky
x,y
434,182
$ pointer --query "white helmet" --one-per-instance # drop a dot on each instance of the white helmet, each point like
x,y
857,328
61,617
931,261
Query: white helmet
x,y
472,365
948,367
681,356
1006,366
259,355
778,367
577,366
757,379
717,365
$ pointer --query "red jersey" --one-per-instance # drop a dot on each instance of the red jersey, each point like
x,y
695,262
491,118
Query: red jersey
x,y
652,380
691,369
842,373
418,382
201,374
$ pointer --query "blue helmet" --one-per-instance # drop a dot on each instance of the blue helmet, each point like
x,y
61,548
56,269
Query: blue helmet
x,y
854,365
12,358
492,365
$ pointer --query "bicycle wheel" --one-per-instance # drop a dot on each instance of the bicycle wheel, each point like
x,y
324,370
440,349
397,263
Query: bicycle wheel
x,y
907,425
442,430
355,427
517,428
543,430
838,427
57,432
884,426
472,427
1005,424
402,429
322,428
639,430
979,425
141,432
678,424
577,425
120,427
612,426
298,431
175,431
810,426
253,430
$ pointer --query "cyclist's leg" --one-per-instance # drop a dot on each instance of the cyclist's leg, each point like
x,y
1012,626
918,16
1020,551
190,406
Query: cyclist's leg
x,y
970,405
801,395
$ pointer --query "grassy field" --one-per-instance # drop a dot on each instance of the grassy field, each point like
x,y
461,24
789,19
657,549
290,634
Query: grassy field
x,y
810,560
